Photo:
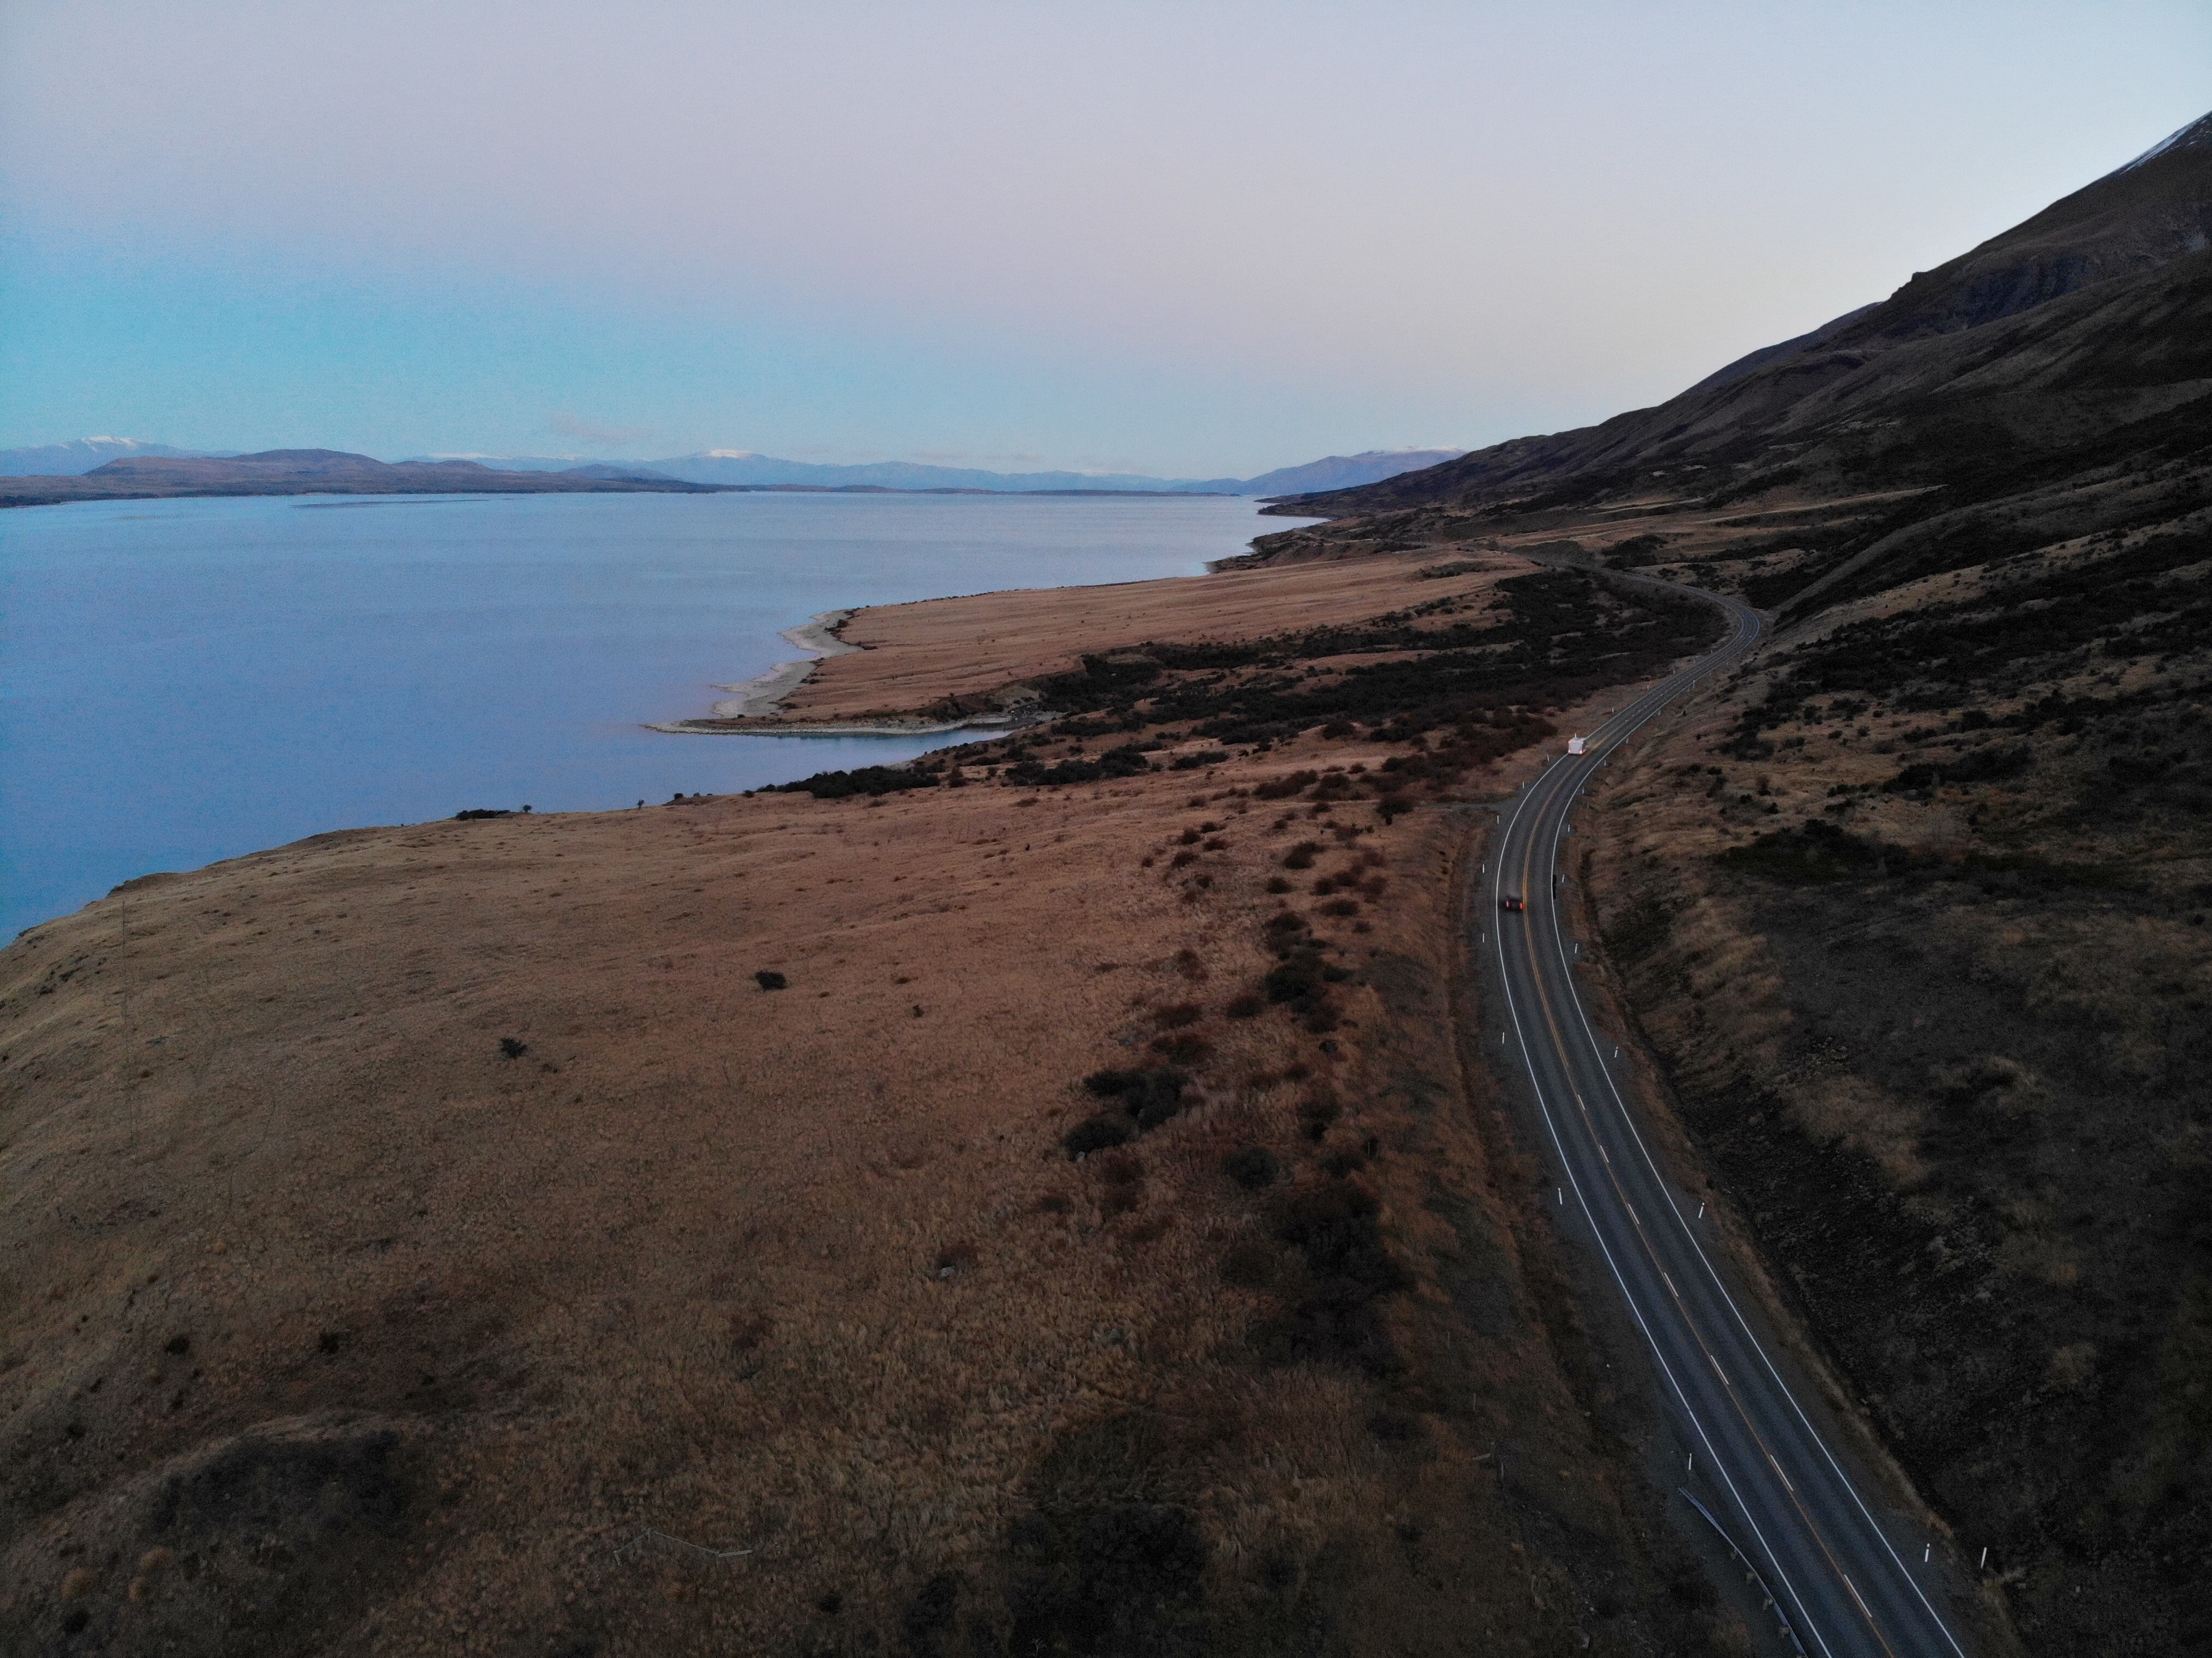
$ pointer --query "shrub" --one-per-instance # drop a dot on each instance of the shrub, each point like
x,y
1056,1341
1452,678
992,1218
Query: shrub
x,y
768,979
1245,1006
1283,787
1185,1047
873,780
1095,1134
509,1048
1316,1112
1277,883
1340,907
1255,1168
1301,856
1250,1264
1295,979
1150,1096
1175,1017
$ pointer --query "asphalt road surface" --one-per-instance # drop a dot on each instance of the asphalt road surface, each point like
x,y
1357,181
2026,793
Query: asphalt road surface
x,y
1842,1583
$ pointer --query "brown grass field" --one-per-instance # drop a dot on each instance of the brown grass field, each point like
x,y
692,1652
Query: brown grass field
x,y
436,1239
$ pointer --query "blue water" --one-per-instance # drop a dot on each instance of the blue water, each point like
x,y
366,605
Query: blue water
x,y
182,681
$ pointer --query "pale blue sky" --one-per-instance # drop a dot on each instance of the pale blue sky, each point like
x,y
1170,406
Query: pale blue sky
x,y
1190,240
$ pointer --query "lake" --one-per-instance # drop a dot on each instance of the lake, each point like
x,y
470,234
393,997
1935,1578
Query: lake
x,y
183,681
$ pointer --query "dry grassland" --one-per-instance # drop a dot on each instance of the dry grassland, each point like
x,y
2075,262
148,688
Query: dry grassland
x,y
436,1240
916,656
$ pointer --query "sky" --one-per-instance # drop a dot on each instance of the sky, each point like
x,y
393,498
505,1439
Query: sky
x,y
1190,240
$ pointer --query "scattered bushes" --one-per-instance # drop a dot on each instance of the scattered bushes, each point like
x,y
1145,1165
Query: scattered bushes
x,y
871,781
1127,761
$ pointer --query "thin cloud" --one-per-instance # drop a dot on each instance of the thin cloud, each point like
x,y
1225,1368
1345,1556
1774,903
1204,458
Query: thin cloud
x,y
568,425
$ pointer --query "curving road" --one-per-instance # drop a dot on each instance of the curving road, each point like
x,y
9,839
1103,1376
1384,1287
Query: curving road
x,y
1842,1583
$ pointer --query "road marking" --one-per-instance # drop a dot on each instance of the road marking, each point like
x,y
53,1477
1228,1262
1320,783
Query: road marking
x,y
1723,1375
1785,1477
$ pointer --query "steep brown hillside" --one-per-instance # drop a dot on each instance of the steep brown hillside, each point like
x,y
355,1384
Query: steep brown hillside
x,y
1913,909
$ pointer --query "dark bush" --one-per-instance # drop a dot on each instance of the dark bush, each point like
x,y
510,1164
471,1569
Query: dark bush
x,y
768,979
1125,1576
475,813
509,1048
1277,883
1283,787
1334,1227
1245,1006
1301,856
1096,1135
929,1617
1175,1017
1317,1112
864,779
1254,1168
1184,1047
1150,1096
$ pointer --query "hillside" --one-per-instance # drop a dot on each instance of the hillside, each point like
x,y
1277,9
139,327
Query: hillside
x,y
77,457
2075,349
312,471
1036,1201
1913,909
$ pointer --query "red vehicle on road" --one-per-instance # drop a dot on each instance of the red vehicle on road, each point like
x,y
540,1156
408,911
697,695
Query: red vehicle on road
x,y
1512,902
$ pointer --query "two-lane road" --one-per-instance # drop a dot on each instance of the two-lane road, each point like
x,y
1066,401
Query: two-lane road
x,y
1844,1584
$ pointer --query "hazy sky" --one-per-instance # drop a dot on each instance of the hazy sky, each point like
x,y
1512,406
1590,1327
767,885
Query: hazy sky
x,y
1190,238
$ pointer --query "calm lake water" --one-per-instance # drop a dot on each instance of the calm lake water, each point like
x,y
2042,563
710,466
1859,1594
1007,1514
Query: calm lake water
x,y
182,681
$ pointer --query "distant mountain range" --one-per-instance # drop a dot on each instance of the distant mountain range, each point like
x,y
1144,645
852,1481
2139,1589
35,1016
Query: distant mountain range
x,y
743,469
80,455
142,476
738,469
